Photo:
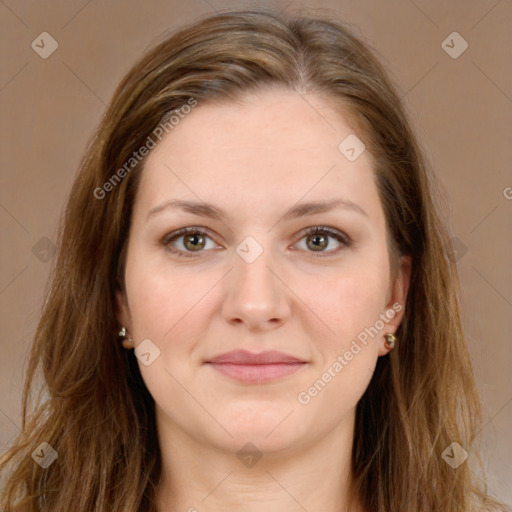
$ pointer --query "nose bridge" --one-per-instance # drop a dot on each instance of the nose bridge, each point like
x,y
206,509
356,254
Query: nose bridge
x,y
254,295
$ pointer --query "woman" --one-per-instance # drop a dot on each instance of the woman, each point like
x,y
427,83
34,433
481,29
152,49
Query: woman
x,y
253,306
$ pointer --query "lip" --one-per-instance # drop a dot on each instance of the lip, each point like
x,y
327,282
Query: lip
x,y
252,368
244,357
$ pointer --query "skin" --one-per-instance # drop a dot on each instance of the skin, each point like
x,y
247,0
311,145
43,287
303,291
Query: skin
x,y
255,159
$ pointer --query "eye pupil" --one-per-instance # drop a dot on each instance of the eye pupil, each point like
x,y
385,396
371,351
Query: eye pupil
x,y
198,241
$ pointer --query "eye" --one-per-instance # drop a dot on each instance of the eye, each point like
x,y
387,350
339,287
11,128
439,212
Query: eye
x,y
317,240
193,241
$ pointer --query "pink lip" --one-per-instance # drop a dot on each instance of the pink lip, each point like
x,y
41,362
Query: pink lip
x,y
248,367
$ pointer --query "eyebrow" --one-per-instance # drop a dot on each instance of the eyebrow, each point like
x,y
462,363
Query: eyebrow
x,y
300,210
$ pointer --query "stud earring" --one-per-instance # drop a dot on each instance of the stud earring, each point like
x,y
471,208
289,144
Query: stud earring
x,y
122,334
391,339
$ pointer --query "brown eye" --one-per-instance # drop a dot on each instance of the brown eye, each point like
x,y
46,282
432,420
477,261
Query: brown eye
x,y
194,242
188,241
317,242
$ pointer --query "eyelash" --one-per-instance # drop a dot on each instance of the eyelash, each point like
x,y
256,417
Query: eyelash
x,y
345,240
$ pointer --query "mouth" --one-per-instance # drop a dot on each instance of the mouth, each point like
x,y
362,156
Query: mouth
x,y
250,368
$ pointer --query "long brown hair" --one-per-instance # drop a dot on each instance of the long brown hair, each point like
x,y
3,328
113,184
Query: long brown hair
x,y
95,410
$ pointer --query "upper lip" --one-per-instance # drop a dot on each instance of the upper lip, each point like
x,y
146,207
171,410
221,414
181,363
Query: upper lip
x,y
245,357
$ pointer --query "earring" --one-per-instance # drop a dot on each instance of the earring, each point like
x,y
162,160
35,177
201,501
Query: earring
x,y
391,339
122,334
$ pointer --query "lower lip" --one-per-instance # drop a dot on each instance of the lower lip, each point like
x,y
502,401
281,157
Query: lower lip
x,y
256,373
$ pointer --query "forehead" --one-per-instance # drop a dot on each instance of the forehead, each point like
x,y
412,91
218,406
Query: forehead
x,y
271,147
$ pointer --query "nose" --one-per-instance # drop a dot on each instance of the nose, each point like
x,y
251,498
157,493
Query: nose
x,y
254,295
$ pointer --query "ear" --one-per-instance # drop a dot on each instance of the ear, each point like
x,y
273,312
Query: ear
x,y
397,297
123,317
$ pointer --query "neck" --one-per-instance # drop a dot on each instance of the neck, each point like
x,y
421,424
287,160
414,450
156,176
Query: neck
x,y
199,477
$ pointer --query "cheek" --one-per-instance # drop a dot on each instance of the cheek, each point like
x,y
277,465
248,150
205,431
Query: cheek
x,y
350,306
160,301
152,305
347,302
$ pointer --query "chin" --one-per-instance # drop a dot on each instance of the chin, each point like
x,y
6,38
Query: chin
x,y
270,427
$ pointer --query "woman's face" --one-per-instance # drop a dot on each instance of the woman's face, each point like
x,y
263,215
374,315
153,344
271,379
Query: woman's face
x,y
250,277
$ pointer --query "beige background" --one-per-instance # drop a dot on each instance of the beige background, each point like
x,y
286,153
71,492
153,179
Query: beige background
x,y
461,108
